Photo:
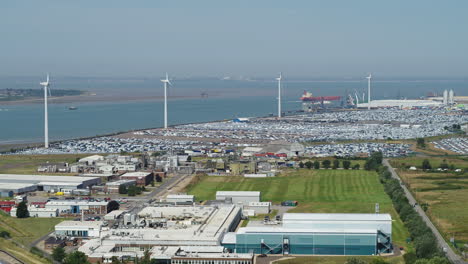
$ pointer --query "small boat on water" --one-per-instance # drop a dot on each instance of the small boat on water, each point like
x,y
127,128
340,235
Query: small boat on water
x,y
72,108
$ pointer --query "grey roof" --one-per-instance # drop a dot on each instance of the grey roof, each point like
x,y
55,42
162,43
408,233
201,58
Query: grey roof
x,y
335,217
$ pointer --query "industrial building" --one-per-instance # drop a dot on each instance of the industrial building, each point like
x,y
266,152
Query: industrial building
x,y
400,104
85,229
258,207
316,234
19,183
142,178
236,197
74,207
113,187
206,234
10,189
167,232
35,211
180,198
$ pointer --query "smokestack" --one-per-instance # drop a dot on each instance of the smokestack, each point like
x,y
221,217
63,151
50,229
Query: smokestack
x,y
445,96
450,98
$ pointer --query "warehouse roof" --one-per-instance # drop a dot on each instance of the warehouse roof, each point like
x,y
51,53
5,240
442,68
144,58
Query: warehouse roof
x,y
136,174
66,224
279,229
180,196
75,202
335,217
40,178
14,185
237,193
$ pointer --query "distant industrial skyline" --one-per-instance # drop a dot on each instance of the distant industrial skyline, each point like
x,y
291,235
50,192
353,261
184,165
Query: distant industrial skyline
x,y
318,39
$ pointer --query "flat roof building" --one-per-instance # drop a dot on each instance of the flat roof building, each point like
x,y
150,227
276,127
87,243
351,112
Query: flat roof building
x,y
87,229
142,178
243,197
316,234
74,207
180,198
173,226
46,182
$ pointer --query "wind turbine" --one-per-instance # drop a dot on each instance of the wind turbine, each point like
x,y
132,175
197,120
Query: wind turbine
x,y
166,82
279,94
46,115
368,90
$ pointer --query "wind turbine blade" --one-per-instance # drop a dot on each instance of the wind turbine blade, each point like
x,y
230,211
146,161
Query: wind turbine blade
x,y
47,78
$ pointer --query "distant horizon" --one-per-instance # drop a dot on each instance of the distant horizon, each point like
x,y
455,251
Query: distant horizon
x,y
286,78
303,38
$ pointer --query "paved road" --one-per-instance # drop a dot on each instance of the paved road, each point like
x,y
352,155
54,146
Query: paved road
x,y
454,258
165,186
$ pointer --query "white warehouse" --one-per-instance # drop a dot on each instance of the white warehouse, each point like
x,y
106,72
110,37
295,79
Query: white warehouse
x,y
238,196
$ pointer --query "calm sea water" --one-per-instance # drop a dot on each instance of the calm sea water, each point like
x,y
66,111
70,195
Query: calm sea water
x,y
23,123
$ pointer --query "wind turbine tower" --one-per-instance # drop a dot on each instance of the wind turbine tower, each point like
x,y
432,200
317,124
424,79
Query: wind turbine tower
x,y
166,82
46,114
279,94
368,91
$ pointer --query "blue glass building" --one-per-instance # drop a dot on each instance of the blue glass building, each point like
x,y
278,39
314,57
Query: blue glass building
x,y
316,234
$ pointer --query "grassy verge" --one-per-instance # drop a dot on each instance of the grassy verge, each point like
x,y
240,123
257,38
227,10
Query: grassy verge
x,y
21,253
27,230
27,164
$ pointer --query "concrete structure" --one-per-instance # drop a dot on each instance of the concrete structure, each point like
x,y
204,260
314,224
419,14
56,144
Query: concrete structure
x,y
142,178
168,232
259,207
86,229
74,207
238,196
113,187
113,215
180,198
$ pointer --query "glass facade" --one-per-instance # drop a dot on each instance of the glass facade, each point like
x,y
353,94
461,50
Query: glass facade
x,y
311,243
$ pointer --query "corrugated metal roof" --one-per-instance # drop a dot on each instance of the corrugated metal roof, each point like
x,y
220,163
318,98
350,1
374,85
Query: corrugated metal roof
x,y
279,229
335,217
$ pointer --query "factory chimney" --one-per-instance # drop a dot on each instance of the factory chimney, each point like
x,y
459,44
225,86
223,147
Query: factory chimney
x,y
445,96
450,98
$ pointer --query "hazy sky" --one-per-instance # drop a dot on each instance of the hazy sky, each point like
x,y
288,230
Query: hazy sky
x,y
345,38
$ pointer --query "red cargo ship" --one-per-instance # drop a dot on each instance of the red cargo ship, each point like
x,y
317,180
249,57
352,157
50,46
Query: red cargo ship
x,y
307,97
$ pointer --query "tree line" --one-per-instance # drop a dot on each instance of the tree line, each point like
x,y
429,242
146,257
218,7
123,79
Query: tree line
x,y
327,164
424,242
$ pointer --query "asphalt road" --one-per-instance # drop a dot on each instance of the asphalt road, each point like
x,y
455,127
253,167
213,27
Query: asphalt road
x,y
139,202
454,258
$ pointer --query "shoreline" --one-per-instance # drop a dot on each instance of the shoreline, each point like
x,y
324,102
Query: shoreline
x,y
93,98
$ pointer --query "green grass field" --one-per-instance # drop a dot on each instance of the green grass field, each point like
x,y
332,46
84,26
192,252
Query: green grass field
x,y
458,162
27,164
446,194
317,191
27,230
